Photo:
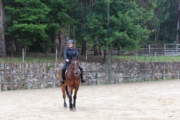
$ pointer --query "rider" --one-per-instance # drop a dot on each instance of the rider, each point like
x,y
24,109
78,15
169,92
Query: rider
x,y
70,52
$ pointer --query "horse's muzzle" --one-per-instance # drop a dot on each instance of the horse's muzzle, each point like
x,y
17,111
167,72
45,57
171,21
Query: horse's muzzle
x,y
76,74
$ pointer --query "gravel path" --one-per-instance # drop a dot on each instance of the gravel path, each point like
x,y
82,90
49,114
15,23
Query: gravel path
x,y
131,101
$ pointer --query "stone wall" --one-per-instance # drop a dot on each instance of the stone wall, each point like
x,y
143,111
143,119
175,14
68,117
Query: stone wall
x,y
15,76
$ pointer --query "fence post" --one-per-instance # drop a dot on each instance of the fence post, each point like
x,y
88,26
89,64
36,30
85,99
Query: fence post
x,y
54,81
176,48
165,49
23,54
149,48
56,53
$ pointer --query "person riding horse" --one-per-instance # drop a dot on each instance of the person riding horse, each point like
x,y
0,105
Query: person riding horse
x,y
69,53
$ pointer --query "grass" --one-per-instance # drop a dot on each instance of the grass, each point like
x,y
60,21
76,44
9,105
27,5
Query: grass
x,y
33,57
51,58
147,58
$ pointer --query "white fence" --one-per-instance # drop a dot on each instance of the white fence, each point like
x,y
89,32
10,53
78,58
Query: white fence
x,y
163,49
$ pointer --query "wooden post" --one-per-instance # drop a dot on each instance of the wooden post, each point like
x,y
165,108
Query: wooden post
x,y
56,54
54,81
176,48
86,55
23,54
155,54
149,48
86,51
165,49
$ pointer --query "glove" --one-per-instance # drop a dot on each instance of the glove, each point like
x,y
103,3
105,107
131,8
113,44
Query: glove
x,y
67,60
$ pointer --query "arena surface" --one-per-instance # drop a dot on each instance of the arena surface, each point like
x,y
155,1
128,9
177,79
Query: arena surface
x,y
126,101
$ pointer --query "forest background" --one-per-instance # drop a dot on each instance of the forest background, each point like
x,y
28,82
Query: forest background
x,y
44,25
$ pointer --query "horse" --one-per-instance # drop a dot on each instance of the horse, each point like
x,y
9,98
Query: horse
x,y
71,84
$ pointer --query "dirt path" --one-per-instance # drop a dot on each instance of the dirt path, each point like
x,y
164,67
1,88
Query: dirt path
x,y
132,101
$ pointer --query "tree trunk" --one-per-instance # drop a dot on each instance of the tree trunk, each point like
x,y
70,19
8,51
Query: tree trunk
x,y
95,50
177,35
100,52
63,36
104,59
83,49
2,38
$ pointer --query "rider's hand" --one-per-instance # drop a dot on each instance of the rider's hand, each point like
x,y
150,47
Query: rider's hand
x,y
67,60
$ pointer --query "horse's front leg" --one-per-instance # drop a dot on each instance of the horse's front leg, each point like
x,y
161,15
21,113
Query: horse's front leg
x,y
70,98
74,102
75,96
70,102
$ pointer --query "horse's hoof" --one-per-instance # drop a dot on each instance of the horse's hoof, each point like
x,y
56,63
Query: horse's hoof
x,y
73,109
65,105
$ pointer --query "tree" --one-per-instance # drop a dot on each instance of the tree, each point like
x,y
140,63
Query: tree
x,y
59,21
2,38
168,29
127,24
177,35
26,23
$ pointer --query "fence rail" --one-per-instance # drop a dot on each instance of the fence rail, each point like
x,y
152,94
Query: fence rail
x,y
163,49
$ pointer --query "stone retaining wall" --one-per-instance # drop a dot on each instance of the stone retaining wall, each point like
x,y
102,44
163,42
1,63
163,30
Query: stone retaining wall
x,y
44,75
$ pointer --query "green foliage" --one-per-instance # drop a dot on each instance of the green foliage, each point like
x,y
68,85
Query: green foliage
x,y
25,20
127,25
37,23
126,28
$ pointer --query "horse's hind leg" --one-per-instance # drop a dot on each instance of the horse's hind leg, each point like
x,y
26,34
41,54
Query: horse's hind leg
x,y
64,95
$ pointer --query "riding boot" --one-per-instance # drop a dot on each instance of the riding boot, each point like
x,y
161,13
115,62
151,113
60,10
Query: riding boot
x,y
63,77
82,80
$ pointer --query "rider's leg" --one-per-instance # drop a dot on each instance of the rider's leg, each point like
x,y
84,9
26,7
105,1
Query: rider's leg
x,y
63,73
82,80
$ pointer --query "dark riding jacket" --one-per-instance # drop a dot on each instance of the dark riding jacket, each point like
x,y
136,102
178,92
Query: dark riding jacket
x,y
69,53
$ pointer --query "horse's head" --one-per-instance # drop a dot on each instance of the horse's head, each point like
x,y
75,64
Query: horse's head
x,y
75,66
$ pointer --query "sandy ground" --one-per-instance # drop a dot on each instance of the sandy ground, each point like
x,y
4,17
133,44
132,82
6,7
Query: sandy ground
x,y
130,101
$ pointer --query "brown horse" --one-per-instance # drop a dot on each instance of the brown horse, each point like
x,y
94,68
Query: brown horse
x,y
71,84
